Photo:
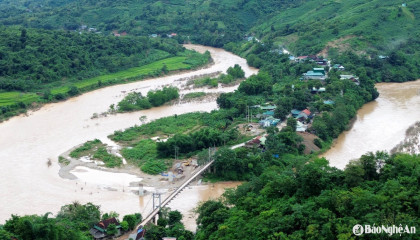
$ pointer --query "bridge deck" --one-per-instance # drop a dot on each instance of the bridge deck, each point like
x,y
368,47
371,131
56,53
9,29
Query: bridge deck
x,y
172,195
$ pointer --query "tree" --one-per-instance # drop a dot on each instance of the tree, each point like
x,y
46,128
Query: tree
x,y
73,91
111,229
174,217
131,220
292,123
124,226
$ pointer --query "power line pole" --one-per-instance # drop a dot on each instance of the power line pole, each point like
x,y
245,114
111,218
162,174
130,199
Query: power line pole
x,y
247,114
176,152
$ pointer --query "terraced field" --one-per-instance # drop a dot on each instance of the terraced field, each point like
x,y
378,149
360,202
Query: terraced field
x,y
10,98
172,63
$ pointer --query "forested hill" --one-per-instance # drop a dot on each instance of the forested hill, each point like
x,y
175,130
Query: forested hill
x,y
376,25
304,26
209,22
32,58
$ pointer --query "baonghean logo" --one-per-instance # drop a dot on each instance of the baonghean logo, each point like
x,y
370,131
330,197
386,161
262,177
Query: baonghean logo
x,y
358,230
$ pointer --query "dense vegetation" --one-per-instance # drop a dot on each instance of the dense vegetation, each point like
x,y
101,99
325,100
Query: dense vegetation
x,y
208,22
72,222
187,133
41,66
96,150
169,224
31,58
299,199
232,75
135,101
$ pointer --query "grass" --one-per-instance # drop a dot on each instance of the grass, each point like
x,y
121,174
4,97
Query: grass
x,y
172,63
63,160
144,155
11,98
194,95
98,151
86,149
164,126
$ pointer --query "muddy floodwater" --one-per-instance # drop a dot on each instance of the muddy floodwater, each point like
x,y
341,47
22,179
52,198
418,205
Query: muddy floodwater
x,y
29,186
380,125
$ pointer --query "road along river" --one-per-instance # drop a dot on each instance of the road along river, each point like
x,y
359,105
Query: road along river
x,y
29,186
380,125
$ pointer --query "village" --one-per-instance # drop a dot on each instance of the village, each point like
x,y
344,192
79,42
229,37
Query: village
x,y
266,115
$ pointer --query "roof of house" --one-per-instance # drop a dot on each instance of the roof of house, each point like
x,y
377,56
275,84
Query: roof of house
x,y
270,107
97,234
347,77
302,115
270,113
307,112
295,112
319,69
312,73
103,225
329,102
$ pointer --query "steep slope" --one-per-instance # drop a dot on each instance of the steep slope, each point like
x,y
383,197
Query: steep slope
x,y
361,25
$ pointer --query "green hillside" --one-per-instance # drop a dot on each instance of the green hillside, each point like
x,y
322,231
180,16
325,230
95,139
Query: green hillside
x,y
362,25
209,22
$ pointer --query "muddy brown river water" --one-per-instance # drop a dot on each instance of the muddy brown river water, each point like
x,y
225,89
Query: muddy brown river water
x,y
29,186
380,125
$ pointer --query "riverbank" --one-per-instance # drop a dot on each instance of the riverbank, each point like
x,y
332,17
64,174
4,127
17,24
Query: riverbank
x,y
380,125
34,101
29,142
411,142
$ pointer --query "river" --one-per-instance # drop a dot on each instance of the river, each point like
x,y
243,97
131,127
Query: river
x,y
30,186
380,124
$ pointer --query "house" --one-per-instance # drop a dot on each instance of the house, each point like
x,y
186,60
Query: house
x,y
319,70
311,75
404,5
154,35
351,78
329,102
302,116
268,108
253,142
268,113
98,231
301,59
315,74
295,112
321,61
169,238
307,112
319,90
338,67
269,121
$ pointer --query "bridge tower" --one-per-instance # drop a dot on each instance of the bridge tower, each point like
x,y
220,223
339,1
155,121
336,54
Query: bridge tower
x,y
157,202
